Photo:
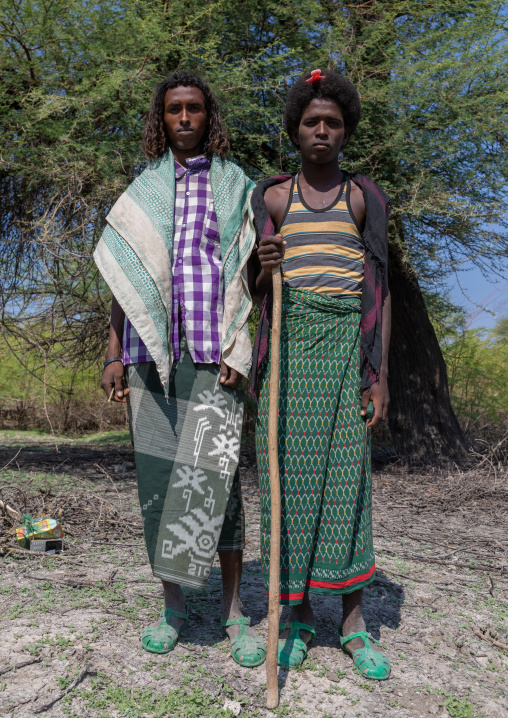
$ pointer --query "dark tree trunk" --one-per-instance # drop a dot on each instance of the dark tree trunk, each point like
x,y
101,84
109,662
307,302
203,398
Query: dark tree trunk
x,y
422,422
421,418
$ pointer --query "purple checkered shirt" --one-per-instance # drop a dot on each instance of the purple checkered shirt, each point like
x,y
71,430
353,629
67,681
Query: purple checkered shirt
x,y
198,282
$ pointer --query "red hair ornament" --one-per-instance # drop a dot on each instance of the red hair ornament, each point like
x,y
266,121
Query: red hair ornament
x,y
315,76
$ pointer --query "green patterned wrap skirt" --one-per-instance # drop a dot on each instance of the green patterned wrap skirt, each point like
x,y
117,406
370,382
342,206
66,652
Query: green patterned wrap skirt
x,y
324,451
186,450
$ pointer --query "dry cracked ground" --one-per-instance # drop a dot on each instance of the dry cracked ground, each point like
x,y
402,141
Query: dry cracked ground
x,y
71,624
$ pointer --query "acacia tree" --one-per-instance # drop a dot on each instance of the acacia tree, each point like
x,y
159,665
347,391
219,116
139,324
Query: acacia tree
x,y
434,76
74,93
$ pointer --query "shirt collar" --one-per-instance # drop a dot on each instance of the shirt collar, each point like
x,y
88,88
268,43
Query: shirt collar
x,y
194,164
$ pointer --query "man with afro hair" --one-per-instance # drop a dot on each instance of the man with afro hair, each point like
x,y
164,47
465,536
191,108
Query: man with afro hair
x,y
174,255
327,232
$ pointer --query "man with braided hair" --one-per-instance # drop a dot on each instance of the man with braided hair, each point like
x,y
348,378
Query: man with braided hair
x,y
327,230
174,254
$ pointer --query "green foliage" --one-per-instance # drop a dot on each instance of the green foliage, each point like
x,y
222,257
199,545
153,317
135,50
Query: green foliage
x,y
477,362
58,395
501,328
135,703
61,641
448,319
76,80
63,683
253,322
20,364
460,709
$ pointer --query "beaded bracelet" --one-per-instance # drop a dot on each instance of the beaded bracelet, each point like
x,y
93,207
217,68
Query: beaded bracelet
x,y
110,361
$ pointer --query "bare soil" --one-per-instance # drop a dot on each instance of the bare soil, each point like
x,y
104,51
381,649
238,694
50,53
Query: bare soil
x,y
71,623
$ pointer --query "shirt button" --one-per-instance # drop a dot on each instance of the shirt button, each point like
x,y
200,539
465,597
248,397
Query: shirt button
x,y
188,173
187,193
183,226
179,261
175,301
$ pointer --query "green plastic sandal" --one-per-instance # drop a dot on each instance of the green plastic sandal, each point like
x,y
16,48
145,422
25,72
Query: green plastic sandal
x,y
292,650
370,663
163,638
248,651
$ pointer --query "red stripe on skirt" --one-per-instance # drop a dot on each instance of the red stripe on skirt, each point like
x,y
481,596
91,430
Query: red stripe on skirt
x,y
325,584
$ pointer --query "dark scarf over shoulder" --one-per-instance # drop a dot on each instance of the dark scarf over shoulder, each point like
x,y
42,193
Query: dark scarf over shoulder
x,y
374,286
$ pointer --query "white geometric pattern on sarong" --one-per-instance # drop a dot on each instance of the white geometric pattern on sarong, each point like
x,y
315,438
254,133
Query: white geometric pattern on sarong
x,y
233,421
196,532
211,401
209,503
191,477
149,503
203,425
225,475
202,532
225,445
187,494
197,567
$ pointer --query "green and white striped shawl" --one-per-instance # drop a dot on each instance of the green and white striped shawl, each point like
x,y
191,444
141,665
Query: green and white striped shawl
x,y
134,255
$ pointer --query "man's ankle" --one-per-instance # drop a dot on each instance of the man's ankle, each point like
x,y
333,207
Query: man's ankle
x,y
303,613
231,607
173,594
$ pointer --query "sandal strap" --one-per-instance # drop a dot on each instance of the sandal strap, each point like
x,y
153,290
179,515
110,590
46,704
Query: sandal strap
x,y
296,645
364,635
242,621
168,612
297,626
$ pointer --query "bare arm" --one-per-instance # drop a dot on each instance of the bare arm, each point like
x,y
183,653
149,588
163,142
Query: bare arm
x,y
257,287
271,248
378,393
270,255
112,376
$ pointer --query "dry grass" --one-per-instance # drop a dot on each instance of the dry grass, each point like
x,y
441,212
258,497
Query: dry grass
x,y
68,415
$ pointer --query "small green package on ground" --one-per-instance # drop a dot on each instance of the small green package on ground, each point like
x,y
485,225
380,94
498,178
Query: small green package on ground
x,y
34,529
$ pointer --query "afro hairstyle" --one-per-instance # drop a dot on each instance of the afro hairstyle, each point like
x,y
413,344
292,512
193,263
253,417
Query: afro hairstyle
x,y
332,86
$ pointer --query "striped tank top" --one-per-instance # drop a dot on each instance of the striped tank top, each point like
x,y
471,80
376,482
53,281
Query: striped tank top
x,y
324,250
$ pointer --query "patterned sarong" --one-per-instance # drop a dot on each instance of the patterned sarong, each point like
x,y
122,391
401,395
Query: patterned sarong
x,y
186,450
324,451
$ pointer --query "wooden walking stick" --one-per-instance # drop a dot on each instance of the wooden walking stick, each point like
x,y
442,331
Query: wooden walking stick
x,y
272,699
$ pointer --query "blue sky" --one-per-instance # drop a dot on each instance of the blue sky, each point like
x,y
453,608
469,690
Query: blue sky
x,y
479,297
